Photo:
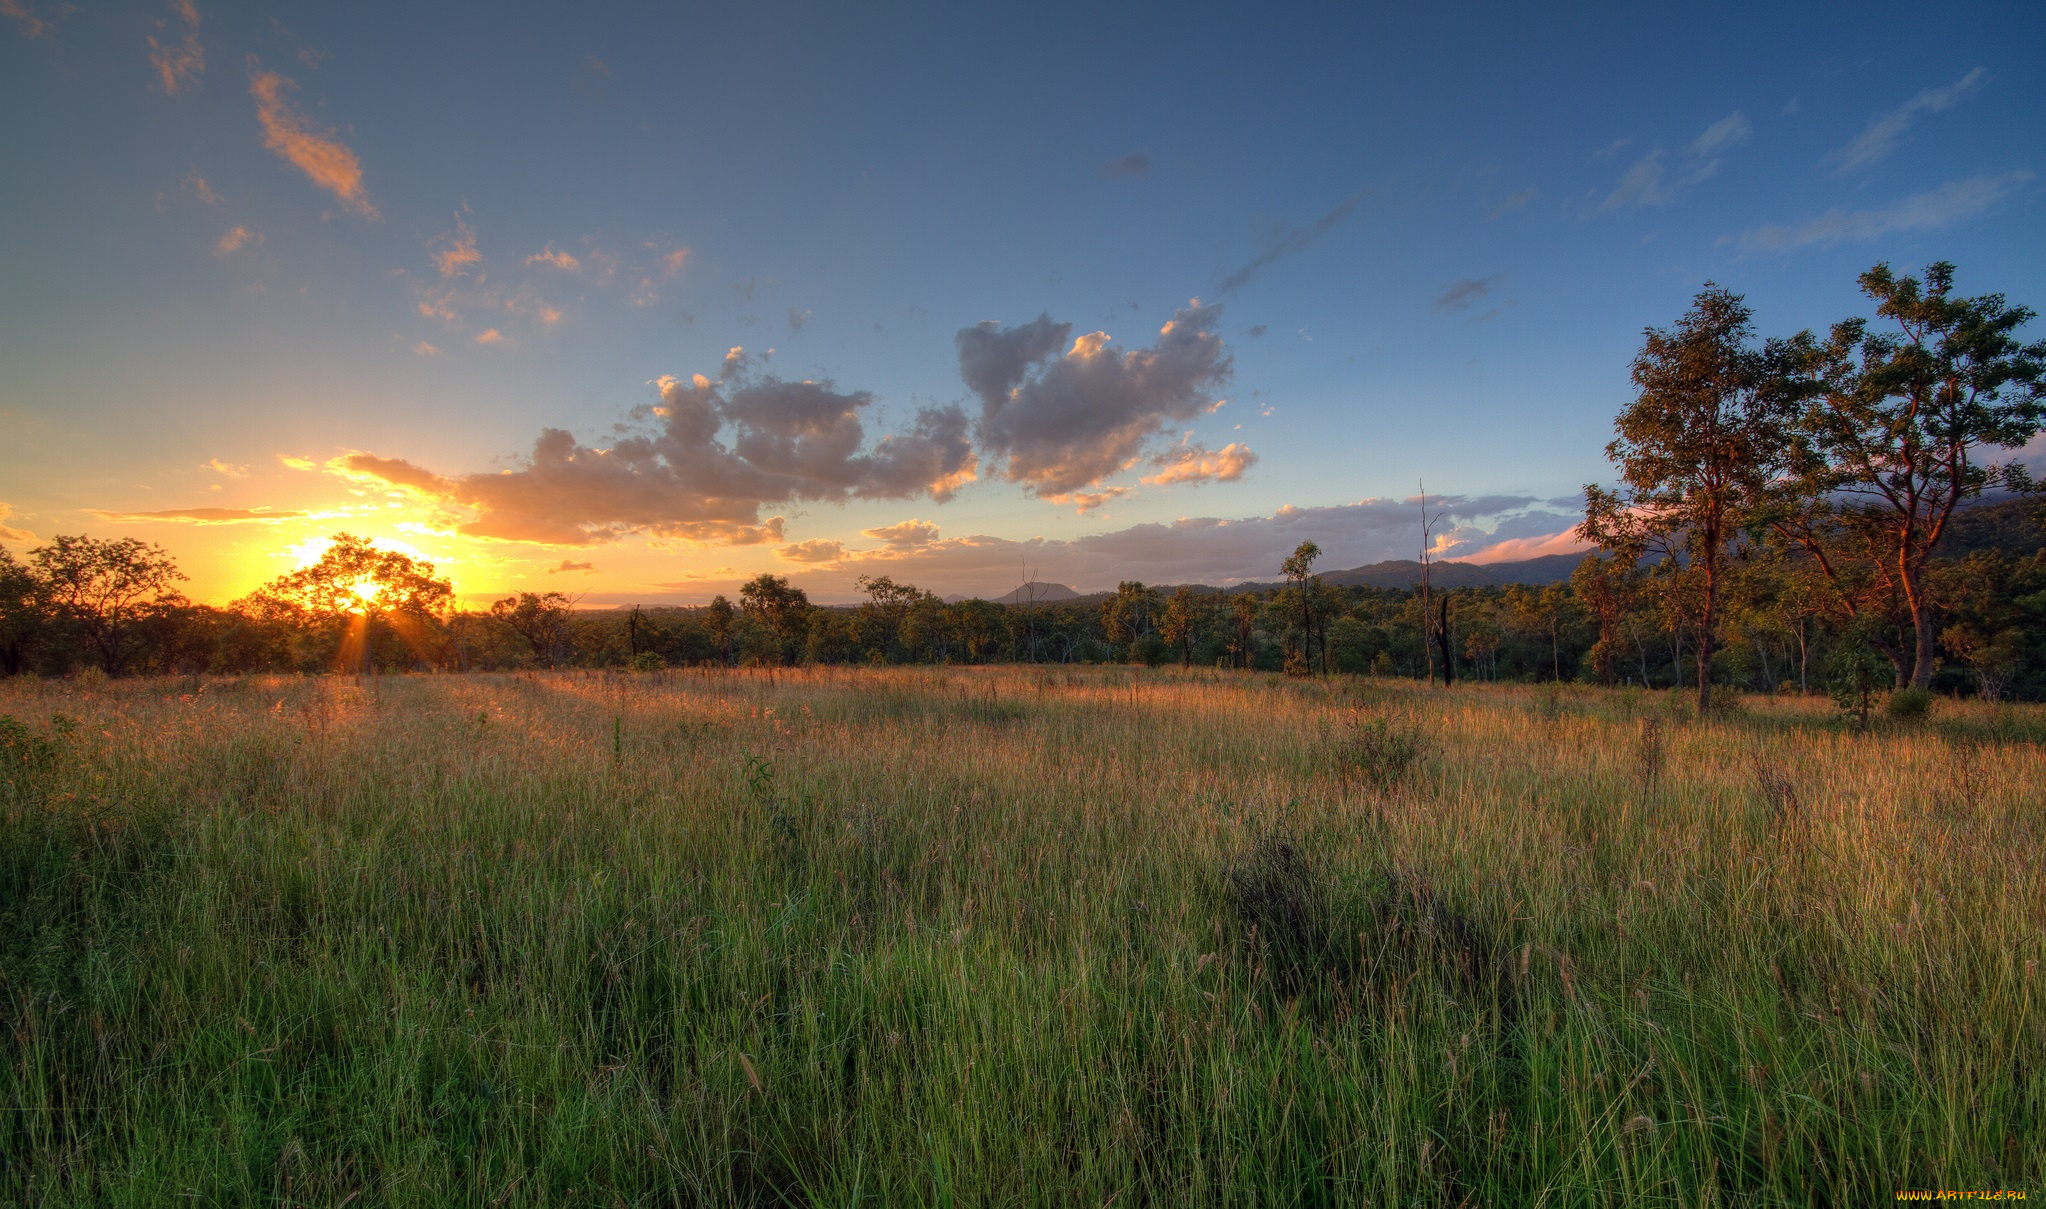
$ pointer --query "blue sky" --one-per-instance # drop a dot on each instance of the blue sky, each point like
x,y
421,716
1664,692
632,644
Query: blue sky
x,y
269,274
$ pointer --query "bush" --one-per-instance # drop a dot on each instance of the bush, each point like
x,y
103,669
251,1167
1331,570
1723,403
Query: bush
x,y
1909,704
1378,752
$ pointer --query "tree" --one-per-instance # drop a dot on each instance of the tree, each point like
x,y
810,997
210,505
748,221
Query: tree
x,y
1607,587
1891,437
1300,579
540,619
779,606
1131,613
717,622
888,603
1244,607
1181,624
1698,450
104,586
353,586
24,613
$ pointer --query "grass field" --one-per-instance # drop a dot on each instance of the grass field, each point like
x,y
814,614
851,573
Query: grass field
x,y
1009,937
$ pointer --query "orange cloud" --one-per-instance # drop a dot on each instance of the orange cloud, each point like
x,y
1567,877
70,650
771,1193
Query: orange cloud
x,y
555,259
227,468
23,14
425,350
672,263
460,258
904,535
184,61
1514,549
237,239
491,336
1086,501
1194,464
368,467
816,550
200,189
324,159
7,532
202,516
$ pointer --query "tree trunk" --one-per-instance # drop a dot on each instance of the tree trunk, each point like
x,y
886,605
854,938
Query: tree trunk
x,y
1921,626
1804,659
1442,637
1705,648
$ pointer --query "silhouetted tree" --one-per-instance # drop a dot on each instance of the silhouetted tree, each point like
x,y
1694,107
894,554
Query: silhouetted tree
x,y
718,622
24,613
353,586
104,586
540,620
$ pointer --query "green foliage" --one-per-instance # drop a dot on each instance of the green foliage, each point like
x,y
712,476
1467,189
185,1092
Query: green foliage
x,y
1856,675
1909,704
28,760
1377,750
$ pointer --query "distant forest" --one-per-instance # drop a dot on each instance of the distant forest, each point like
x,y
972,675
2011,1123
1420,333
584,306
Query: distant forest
x,y
63,610
1805,514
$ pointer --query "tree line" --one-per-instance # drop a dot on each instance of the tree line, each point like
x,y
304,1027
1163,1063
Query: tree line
x,y
1791,513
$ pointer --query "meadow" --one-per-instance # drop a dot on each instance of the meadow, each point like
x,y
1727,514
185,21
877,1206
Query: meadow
x,y
1009,936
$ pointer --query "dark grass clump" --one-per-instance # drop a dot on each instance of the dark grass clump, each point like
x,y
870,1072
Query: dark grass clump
x,y
1378,752
1307,929
1283,902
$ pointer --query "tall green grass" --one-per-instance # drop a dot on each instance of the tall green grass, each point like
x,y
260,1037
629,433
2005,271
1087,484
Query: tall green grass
x,y
1012,937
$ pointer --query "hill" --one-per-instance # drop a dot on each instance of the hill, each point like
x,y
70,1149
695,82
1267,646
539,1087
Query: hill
x,y
1038,593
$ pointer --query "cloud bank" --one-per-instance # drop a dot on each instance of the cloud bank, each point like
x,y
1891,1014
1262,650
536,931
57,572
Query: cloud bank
x,y
1209,550
706,462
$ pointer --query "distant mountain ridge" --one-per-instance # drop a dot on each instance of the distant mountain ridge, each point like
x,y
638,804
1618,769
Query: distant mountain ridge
x,y
1393,573
1038,593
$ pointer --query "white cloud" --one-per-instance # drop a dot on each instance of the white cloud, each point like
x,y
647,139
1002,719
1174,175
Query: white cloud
x,y
1729,131
1650,181
1880,136
1950,203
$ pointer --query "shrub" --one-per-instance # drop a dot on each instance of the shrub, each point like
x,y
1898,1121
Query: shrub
x,y
1379,752
1909,704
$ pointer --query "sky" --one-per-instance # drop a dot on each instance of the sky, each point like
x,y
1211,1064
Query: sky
x,y
637,304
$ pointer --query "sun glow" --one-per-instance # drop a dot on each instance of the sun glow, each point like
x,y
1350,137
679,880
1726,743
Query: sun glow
x,y
367,590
